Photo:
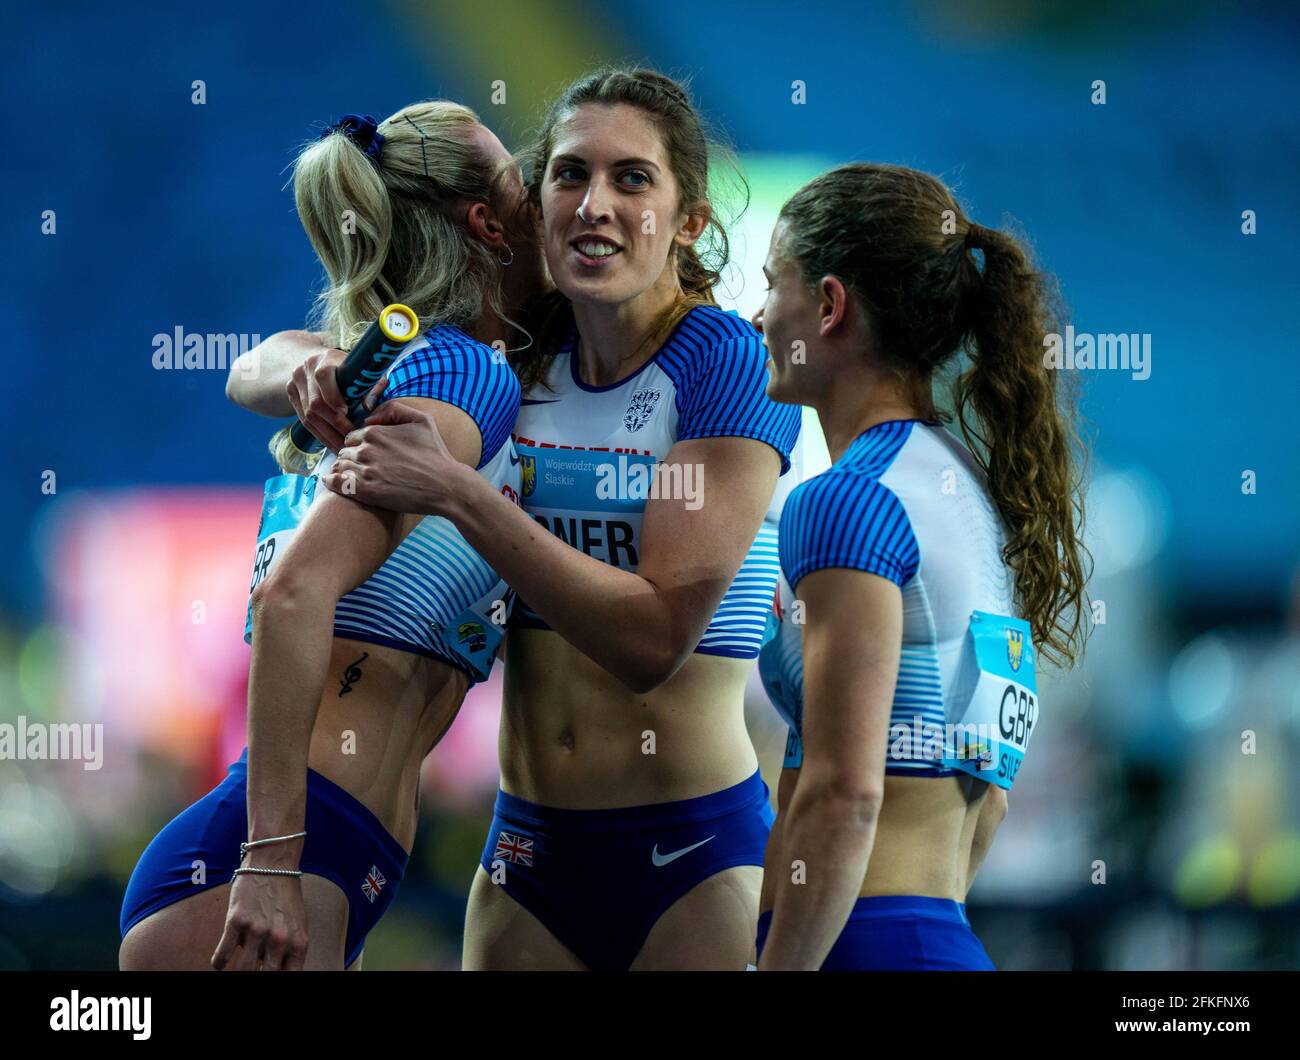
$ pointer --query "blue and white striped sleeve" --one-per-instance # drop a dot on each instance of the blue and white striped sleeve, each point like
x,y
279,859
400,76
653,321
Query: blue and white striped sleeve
x,y
464,373
727,398
850,521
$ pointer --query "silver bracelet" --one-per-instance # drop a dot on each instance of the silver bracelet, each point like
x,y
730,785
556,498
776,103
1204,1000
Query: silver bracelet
x,y
244,848
269,872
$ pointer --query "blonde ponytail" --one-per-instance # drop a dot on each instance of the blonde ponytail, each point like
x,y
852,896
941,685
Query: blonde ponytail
x,y
385,228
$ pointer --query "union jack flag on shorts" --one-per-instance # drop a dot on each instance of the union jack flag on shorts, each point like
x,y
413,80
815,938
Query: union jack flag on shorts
x,y
373,883
514,848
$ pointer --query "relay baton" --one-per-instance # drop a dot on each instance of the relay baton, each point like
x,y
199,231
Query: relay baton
x,y
364,366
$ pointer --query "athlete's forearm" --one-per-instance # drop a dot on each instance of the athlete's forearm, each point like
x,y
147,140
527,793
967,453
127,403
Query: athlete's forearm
x,y
258,378
826,845
617,618
292,640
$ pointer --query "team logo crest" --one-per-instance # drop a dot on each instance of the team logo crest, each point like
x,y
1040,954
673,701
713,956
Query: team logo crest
x,y
472,636
528,465
1015,648
640,408
373,883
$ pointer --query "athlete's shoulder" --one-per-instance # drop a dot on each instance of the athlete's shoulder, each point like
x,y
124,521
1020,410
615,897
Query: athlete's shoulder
x,y
832,494
708,335
445,345
445,350
718,366
861,479
847,517
857,473
873,452
446,364
933,446
725,323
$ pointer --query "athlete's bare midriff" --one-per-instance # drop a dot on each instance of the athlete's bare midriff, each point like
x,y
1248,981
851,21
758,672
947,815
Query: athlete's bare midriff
x,y
923,839
573,737
924,836
371,739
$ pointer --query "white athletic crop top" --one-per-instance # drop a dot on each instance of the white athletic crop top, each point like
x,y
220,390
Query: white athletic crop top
x,y
908,502
589,455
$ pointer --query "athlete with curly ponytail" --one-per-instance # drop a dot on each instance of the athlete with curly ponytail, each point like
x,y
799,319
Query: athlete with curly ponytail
x,y
930,574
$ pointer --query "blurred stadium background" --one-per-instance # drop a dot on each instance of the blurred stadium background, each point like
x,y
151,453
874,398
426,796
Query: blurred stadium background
x,y
122,598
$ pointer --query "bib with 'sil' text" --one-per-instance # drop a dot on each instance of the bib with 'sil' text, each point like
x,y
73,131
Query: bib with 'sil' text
x,y
990,737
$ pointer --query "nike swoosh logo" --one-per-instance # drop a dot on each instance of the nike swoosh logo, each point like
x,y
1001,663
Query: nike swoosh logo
x,y
513,459
538,401
663,859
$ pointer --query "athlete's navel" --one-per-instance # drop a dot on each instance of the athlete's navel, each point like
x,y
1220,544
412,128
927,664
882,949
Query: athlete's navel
x,y
566,739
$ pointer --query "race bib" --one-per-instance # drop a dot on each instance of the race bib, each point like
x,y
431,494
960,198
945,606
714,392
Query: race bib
x,y
593,500
285,502
991,736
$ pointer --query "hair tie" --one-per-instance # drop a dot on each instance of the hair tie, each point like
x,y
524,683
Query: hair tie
x,y
972,241
363,131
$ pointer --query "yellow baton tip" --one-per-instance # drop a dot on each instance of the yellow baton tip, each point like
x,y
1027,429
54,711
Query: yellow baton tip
x,y
399,323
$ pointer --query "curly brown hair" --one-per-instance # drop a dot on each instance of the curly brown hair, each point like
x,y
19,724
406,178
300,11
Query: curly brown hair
x,y
899,241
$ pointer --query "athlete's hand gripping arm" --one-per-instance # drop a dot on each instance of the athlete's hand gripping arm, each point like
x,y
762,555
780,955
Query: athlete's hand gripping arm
x,y
851,647
292,374
640,627
338,546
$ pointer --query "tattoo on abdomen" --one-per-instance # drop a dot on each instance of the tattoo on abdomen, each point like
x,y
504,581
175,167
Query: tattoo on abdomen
x,y
352,673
